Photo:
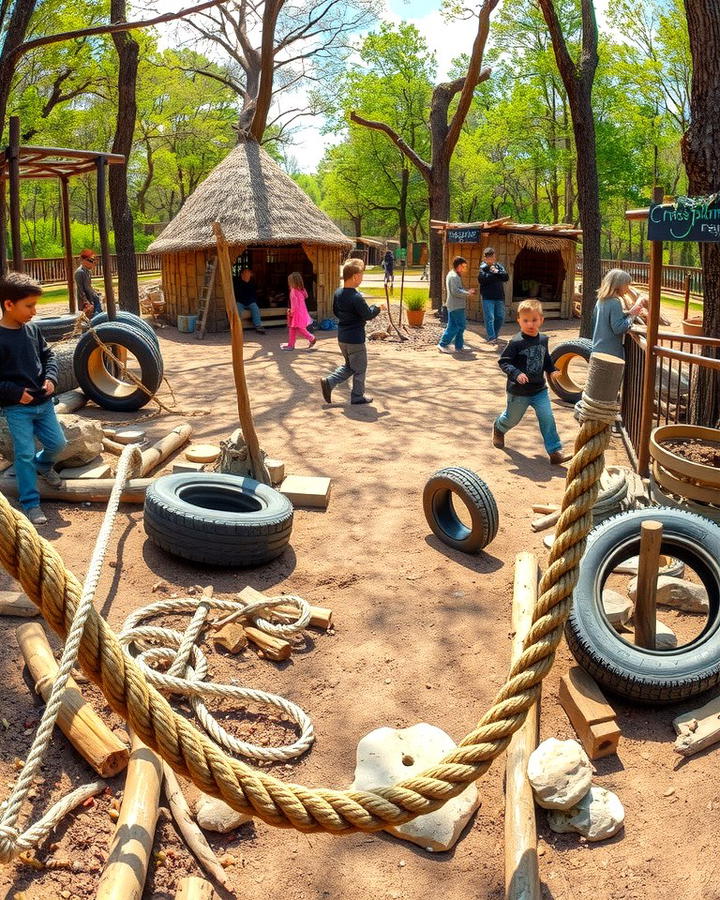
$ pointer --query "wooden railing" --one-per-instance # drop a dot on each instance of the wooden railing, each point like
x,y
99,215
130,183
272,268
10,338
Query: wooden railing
x,y
51,270
673,277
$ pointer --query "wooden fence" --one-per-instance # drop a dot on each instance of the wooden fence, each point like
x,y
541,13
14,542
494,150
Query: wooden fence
x,y
51,270
673,277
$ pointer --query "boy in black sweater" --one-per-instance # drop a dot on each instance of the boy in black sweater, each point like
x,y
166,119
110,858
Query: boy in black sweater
x,y
525,361
28,378
352,312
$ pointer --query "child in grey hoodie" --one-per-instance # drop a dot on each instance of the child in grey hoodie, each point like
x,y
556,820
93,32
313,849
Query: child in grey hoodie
x,y
456,297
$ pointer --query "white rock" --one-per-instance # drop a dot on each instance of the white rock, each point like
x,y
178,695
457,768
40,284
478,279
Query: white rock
x,y
388,755
668,566
665,637
213,814
560,774
678,593
84,437
618,609
598,816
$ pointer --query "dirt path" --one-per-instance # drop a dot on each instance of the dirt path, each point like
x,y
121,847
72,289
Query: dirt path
x,y
422,634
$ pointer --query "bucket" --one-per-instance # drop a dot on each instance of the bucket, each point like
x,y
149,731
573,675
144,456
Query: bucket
x,y
186,324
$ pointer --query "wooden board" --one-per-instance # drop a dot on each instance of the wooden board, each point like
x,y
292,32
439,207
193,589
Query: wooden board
x,y
307,490
591,715
96,468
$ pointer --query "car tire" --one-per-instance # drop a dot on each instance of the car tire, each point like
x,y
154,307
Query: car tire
x,y
55,328
442,517
100,384
220,520
65,356
650,676
562,382
127,318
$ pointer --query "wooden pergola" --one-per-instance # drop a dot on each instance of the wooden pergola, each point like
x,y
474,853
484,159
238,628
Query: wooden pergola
x,y
18,162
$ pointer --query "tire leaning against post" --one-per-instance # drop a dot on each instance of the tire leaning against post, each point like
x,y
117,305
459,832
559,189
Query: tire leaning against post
x,y
562,356
127,318
443,518
94,370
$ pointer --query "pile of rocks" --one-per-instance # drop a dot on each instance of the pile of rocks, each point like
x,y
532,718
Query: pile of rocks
x,y
560,774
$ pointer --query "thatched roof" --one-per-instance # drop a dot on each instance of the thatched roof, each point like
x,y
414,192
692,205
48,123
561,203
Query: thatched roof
x,y
255,202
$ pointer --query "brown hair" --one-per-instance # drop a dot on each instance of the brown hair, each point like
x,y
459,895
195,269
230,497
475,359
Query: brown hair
x,y
458,261
17,286
295,280
489,251
530,306
352,267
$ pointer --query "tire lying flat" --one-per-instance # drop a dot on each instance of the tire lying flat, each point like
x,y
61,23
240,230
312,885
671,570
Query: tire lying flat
x,y
442,517
562,382
220,520
652,676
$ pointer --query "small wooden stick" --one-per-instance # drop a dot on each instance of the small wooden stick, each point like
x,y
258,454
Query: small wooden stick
x,y
274,648
78,721
190,831
194,888
645,615
230,637
544,509
123,877
111,446
545,521
15,603
320,616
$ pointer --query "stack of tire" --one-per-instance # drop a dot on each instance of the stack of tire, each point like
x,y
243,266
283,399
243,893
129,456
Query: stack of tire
x,y
96,373
56,331
680,482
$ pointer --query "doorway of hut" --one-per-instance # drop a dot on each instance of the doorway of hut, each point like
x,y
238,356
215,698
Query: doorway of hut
x,y
542,276
271,267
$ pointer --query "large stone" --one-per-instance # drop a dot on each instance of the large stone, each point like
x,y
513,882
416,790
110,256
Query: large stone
x,y
678,593
665,637
213,814
388,755
618,609
668,566
84,437
598,816
560,774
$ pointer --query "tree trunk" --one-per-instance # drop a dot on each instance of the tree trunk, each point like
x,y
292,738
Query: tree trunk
x,y
402,211
14,36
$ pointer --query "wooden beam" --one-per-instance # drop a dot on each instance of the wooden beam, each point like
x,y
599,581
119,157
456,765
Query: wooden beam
x,y
86,490
645,615
590,714
103,231
67,242
14,176
3,229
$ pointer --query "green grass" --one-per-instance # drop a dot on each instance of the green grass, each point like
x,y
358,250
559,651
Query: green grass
x,y
395,296
679,303
59,294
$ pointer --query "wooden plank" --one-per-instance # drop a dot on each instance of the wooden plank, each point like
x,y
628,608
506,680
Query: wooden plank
x,y
590,714
307,490
698,728
96,468
15,603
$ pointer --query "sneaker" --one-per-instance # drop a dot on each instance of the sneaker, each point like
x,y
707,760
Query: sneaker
x,y
260,330
444,349
467,349
361,401
51,477
491,340
498,438
559,457
286,347
312,343
326,388
36,516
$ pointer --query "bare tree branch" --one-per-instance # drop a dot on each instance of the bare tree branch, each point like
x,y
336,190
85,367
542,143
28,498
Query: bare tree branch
x,y
419,163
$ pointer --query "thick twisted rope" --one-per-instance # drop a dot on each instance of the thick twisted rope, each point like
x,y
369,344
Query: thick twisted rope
x,y
43,576
11,842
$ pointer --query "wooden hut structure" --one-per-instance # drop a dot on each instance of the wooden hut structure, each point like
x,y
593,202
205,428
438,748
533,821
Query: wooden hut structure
x,y
272,227
540,260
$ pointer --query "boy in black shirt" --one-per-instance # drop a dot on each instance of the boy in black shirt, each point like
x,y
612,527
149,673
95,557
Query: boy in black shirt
x,y
352,312
525,361
28,378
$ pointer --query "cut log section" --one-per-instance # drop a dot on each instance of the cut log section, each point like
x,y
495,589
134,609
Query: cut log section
x,y
78,721
70,402
202,453
159,452
272,647
590,714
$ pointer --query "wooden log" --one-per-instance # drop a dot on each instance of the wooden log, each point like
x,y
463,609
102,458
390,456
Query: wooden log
x,y
698,728
546,521
15,603
590,714
83,490
153,456
70,402
78,721
544,509
111,446
645,615
230,637
272,647
320,616
194,888
190,831
276,469
123,877
522,877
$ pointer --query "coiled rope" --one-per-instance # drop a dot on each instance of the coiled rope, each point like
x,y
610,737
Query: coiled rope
x,y
40,570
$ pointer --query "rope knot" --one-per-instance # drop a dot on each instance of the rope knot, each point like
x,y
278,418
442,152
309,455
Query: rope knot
x,y
8,843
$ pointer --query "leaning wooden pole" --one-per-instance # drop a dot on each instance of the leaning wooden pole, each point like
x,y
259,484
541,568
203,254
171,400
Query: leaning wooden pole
x,y
67,242
522,878
259,472
13,153
101,167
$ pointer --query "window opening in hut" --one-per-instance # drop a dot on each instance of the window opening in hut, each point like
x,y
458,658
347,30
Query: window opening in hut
x,y
539,275
271,267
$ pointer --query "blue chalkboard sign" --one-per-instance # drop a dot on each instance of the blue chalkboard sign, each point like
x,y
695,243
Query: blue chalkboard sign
x,y
697,220
463,235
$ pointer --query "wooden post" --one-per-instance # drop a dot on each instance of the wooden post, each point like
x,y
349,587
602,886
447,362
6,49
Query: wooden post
x,y
123,877
522,877
101,166
236,333
13,152
686,305
3,225
78,721
67,242
645,615
653,323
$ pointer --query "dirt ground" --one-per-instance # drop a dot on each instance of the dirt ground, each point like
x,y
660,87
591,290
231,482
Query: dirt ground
x,y
422,635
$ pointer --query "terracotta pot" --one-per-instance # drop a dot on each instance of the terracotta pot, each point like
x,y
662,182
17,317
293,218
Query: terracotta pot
x,y
693,325
415,317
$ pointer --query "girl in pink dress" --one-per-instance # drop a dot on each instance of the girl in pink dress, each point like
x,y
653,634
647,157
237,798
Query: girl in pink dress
x,y
298,316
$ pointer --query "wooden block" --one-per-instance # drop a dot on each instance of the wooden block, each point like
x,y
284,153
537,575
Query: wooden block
x,y
276,469
591,715
698,728
128,435
305,490
96,468
230,637
15,603
188,467
202,453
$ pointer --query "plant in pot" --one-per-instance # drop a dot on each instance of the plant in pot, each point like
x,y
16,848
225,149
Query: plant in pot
x,y
415,308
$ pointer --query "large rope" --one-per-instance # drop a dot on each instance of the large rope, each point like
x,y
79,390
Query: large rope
x,y
40,570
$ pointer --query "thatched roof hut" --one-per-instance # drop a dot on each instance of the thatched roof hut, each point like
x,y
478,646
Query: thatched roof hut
x,y
271,226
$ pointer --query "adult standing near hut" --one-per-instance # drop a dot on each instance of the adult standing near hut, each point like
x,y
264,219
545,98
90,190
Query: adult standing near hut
x,y
388,264
247,298
492,277
89,301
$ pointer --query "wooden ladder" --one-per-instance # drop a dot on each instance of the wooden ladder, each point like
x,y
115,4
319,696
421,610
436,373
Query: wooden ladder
x,y
205,295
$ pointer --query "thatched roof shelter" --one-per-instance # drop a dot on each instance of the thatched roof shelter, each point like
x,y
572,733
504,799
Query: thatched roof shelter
x,y
271,225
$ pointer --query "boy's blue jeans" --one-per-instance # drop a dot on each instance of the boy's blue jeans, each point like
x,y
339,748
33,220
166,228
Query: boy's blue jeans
x,y
27,423
254,312
494,315
455,329
516,409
